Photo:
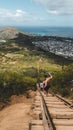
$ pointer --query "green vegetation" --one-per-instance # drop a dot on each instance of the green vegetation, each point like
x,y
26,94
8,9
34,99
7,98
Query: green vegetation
x,y
19,68
21,65
61,82
13,82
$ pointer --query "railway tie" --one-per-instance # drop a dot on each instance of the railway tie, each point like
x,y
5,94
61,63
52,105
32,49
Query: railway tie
x,y
51,113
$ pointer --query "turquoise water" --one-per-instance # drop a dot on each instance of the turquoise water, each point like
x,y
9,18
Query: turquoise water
x,y
50,31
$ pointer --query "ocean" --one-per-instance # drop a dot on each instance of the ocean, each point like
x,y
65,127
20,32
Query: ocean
x,y
48,31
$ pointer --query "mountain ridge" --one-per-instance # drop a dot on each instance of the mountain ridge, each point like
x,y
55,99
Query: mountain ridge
x,y
57,45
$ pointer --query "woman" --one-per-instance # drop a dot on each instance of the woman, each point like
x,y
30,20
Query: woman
x,y
46,83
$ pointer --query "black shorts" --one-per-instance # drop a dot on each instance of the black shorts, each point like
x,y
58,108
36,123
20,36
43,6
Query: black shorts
x,y
47,87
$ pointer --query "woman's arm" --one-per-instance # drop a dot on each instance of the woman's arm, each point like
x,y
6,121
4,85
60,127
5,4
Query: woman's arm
x,y
50,75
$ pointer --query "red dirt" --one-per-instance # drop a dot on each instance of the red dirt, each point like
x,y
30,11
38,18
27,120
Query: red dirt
x,y
17,115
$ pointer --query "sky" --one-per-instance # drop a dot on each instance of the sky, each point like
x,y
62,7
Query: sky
x,y
36,13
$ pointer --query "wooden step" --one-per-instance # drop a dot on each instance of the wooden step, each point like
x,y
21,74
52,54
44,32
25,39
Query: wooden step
x,y
63,122
36,122
64,127
37,127
61,116
60,110
56,106
54,103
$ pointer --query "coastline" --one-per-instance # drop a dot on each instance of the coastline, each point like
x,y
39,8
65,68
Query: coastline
x,y
47,31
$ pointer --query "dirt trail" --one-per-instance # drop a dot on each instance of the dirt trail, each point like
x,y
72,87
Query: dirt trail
x,y
16,116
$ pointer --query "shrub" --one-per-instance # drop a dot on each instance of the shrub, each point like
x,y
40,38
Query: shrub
x,y
61,81
13,82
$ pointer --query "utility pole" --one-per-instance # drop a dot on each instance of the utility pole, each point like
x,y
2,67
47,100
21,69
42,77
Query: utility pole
x,y
39,62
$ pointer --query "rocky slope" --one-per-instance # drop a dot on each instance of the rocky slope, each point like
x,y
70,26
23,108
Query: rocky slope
x,y
8,32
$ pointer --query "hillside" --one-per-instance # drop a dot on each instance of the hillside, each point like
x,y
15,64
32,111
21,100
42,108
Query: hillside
x,y
56,45
8,32
22,63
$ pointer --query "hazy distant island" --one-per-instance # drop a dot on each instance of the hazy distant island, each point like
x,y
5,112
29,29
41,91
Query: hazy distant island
x,y
61,46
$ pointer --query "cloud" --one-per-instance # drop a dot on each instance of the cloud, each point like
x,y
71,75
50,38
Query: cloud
x,y
9,17
52,11
20,13
64,7
12,14
17,16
